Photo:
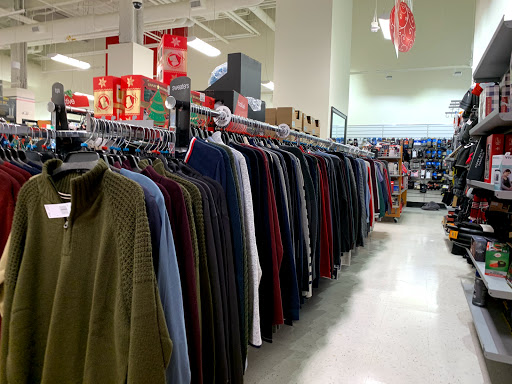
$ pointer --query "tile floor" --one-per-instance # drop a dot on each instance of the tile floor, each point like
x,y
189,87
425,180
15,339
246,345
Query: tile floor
x,y
396,315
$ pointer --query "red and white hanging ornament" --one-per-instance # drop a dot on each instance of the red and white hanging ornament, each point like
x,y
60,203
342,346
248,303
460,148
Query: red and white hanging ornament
x,y
402,26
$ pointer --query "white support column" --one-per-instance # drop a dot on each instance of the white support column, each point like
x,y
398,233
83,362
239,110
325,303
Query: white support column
x,y
19,58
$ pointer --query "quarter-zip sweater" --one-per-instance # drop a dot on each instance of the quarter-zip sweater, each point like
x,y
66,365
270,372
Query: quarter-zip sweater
x,y
81,302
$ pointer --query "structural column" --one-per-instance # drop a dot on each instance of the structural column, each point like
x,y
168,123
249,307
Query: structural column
x,y
19,58
312,57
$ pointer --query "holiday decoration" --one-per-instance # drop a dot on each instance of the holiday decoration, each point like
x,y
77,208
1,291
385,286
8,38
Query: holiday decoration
x,y
402,27
171,58
144,99
107,97
198,119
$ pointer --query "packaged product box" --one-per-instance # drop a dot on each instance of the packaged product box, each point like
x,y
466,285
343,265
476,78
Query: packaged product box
x,y
497,259
316,128
502,172
271,116
489,101
299,120
171,58
505,94
286,115
108,97
508,144
478,247
494,146
307,124
200,98
144,100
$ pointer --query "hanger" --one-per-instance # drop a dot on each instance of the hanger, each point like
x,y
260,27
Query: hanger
x,y
77,161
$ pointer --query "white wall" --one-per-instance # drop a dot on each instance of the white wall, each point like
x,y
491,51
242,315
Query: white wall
x,y
303,57
341,45
488,15
443,45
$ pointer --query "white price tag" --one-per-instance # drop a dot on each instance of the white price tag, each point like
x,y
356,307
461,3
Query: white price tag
x,y
56,211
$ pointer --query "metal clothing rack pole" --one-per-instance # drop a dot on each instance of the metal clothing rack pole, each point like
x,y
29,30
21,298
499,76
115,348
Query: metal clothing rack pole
x,y
225,117
17,129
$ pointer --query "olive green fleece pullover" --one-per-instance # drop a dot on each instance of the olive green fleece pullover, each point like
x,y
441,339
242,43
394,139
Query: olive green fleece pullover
x,y
81,302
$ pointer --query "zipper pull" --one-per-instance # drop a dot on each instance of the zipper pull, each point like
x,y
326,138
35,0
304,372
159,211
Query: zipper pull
x,y
66,224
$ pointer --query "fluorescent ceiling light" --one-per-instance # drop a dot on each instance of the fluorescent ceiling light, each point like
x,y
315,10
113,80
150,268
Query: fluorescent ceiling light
x,y
269,85
90,97
384,26
69,61
203,47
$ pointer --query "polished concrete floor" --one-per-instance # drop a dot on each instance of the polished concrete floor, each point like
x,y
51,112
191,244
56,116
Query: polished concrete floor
x,y
396,315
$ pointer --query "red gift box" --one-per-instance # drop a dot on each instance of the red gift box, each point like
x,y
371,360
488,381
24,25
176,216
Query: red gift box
x,y
144,97
171,58
108,98
495,146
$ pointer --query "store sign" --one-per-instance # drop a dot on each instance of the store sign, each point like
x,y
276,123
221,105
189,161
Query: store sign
x,y
76,101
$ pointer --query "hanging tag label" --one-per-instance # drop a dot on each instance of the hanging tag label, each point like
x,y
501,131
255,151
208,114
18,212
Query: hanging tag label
x,y
56,211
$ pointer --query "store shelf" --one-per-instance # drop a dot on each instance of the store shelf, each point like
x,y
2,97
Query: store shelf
x,y
505,195
496,59
496,122
492,329
398,176
497,286
448,177
399,193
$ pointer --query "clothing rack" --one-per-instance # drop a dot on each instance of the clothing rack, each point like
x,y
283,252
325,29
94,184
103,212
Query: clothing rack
x,y
179,102
223,118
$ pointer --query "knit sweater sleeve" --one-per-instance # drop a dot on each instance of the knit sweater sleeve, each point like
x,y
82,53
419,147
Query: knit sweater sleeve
x,y
150,346
17,244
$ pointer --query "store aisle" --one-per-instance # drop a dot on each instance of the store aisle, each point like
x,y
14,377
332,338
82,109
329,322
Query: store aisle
x,y
396,315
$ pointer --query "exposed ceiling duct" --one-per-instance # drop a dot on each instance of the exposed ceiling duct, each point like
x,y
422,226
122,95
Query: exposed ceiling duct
x,y
94,26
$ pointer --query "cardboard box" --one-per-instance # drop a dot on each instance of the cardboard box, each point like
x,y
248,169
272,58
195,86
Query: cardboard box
x,y
271,116
286,115
489,101
502,172
494,146
509,275
497,259
144,99
316,128
108,97
299,120
308,124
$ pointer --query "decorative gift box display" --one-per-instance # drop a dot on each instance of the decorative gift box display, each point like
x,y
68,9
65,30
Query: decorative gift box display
x,y
489,101
108,97
171,58
496,259
494,147
143,99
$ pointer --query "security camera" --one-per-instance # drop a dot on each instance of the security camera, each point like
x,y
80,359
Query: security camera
x,y
137,4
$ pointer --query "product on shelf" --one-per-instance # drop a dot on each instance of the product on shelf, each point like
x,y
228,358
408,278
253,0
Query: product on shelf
x,y
496,259
505,93
495,146
489,101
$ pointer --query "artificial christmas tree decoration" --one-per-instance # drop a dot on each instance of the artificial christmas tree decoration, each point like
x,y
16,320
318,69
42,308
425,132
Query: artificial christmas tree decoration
x,y
144,100
402,26
171,58
108,99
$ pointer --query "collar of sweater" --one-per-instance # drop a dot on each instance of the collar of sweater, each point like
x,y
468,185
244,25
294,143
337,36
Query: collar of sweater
x,y
83,188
